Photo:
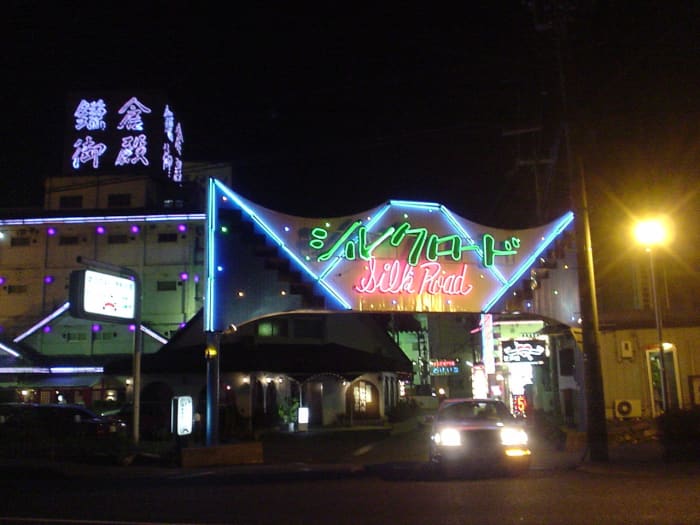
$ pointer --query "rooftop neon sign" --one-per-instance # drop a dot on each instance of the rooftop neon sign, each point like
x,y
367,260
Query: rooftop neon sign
x,y
399,256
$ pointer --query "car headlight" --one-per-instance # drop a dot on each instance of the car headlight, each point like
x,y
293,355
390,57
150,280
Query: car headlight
x,y
448,437
513,436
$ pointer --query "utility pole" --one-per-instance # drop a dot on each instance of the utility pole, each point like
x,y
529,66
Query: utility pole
x,y
596,429
552,16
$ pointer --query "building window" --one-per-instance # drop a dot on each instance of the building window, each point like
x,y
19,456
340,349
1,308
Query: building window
x,y
17,288
75,337
362,394
119,200
19,241
273,328
167,237
104,336
308,328
170,203
117,239
68,240
70,201
166,286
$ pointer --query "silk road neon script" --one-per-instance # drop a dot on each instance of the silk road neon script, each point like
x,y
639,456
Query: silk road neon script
x,y
354,244
396,277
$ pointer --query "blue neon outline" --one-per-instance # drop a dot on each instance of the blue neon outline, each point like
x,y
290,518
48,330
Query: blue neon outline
x,y
415,204
556,230
8,350
335,262
209,228
493,269
105,218
251,214
46,320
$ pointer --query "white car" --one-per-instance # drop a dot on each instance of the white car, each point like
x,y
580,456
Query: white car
x,y
478,435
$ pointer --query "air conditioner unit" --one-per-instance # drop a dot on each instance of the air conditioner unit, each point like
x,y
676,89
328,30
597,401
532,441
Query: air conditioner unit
x,y
627,408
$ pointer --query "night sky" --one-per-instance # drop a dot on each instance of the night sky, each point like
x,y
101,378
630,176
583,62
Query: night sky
x,y
332,111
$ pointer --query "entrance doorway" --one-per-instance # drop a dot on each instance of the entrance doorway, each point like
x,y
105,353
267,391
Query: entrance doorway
x,y
654,378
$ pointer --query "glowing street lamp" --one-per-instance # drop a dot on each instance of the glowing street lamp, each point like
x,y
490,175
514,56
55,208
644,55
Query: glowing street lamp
x,y
650,233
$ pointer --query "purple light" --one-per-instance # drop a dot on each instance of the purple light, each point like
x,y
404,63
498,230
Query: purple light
x,y
132,328
135,228
96,328
196,278
182,325
48,279
100,230
182,228
47,329
184,276
51,231
2,280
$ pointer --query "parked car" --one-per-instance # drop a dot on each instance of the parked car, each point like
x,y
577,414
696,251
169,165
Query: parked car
x,y
60,431
154,420
477,436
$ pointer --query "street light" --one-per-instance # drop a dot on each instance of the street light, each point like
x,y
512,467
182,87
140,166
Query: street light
x,y
650,233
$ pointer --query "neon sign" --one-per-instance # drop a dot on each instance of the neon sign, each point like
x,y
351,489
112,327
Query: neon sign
x,y
121,131
519,404
354,243
429,277
444,367
517,351
399,256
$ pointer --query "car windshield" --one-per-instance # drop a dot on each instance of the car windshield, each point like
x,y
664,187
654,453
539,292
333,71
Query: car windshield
x,y
473,410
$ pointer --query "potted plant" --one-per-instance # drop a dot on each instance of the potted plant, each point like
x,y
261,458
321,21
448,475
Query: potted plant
x,y
288,411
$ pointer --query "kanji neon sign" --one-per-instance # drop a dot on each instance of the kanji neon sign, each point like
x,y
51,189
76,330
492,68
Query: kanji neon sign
x,y
354,242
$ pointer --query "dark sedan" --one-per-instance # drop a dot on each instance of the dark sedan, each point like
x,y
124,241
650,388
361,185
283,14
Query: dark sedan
x,y
60,431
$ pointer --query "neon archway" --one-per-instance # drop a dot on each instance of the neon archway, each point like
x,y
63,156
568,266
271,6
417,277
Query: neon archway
x,y
401,256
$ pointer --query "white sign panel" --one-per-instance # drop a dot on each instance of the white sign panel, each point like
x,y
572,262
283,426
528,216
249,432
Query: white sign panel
x,y
109,295
182,415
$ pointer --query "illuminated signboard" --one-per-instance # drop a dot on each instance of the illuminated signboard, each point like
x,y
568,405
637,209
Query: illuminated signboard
x,y
103,297
516,351
487,343
123,133
181,415
400,256
519,404
444,367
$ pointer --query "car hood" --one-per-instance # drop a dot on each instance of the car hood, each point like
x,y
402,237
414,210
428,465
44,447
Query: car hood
x,y
470,425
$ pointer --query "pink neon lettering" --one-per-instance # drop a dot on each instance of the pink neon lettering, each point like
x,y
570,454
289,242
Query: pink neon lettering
x,y
392,277
434,281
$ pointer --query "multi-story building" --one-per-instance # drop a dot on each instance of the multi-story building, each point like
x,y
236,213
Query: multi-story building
x,y
156,230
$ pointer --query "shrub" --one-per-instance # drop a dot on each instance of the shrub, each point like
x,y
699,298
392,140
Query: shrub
x,y
680,434
288,410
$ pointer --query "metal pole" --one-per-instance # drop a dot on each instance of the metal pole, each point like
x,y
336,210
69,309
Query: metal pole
x,y
138,335
138,351
212,357
657,312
